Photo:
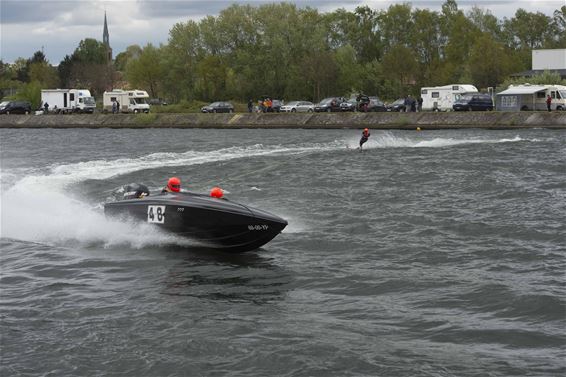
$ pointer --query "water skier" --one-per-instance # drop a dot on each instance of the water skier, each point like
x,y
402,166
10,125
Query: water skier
x,y
365,137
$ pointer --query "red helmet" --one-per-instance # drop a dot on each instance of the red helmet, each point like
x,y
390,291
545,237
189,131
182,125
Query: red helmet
x,y
174,184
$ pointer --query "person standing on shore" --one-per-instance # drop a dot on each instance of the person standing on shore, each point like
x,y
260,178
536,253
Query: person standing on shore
x,y
548,102
250,106
407,103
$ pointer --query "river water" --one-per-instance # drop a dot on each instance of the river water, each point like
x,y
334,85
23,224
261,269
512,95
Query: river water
x,y
432,253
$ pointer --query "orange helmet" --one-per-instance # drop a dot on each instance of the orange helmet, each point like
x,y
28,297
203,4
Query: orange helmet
x,y
174,184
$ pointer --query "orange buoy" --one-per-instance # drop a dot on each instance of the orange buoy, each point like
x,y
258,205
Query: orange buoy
x,y
217,192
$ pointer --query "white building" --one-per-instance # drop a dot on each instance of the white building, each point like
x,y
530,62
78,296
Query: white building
x,y
546,60
549,59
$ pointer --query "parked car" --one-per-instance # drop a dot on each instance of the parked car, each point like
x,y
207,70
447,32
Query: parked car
x,y
298,107
15,107
397,106
349,105
330,104
218,107
376,105
473,102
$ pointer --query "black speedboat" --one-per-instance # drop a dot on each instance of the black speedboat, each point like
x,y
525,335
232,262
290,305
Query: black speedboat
x,y
216,222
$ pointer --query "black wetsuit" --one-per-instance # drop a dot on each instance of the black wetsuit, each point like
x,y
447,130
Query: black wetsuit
x,y
365,137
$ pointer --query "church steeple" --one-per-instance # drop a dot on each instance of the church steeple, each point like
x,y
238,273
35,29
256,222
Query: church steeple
x,y
106,40
105,35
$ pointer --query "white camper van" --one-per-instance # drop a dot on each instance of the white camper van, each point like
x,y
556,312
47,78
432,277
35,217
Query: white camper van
x,y
531,97
68,100
441,98
130,101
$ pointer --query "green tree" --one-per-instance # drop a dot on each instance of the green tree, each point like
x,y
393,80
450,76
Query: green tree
x,y
30,92
320,70
374,82
87,68
64,70
211,82
396,27
489,62
91,51
44,73
401,65
559,20
427,44
122,59
8,82
285,51
146,71
485,22
181,56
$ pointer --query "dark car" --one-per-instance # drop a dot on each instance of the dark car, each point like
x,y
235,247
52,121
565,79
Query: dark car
x,y
473,102
331,104
15,107
376,105
349,105
218,107
397,106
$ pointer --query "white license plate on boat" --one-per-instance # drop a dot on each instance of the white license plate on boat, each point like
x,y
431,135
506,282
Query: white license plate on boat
x,y
156,214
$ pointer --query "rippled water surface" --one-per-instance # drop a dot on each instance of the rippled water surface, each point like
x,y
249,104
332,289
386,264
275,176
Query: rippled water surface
x,y
432,253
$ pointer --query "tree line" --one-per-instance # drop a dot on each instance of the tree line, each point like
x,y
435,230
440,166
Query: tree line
x,y
288,52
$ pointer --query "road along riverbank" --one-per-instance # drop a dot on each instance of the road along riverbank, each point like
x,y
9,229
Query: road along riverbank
x,y
424,120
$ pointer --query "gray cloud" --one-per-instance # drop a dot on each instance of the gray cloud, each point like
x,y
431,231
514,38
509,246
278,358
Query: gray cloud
x,y
31,11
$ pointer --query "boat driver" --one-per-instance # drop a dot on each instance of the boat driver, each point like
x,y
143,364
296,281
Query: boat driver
x,y
173,185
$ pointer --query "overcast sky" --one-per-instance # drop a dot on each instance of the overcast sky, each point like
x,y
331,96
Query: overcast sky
x,y
57,26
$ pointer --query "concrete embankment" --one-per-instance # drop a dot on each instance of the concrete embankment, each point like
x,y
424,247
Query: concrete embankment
x,y
425,120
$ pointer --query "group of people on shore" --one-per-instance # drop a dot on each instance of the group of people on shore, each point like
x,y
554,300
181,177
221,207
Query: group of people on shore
x,y
412,104
263,105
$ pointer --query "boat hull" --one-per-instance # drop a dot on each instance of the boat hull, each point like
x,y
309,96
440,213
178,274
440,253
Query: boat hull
x,y
217,223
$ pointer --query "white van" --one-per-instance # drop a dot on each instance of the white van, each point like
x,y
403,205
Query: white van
x,y
531,97
68,100
441,98
130,101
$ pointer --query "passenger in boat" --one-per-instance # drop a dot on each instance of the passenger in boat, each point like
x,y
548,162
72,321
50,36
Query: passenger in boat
x,y
173,185
365,137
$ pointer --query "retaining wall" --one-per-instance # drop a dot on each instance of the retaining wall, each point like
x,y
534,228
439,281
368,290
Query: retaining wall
x,y
425,120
